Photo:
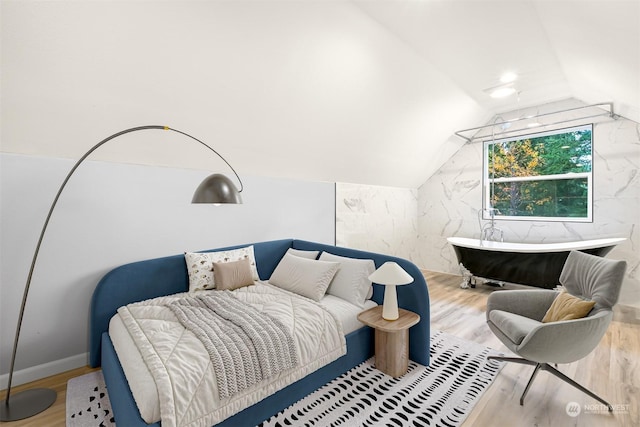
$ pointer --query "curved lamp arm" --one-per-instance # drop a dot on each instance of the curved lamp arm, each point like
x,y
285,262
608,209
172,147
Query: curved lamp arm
x,y
195,139
216,188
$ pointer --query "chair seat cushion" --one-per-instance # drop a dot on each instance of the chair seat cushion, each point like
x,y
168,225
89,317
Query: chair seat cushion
x,y
514,326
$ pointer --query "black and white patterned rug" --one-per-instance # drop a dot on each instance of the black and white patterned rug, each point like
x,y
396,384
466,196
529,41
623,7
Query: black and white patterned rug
x,y
88,402
441,394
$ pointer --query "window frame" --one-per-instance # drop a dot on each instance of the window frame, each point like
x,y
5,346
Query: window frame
x,y
487,181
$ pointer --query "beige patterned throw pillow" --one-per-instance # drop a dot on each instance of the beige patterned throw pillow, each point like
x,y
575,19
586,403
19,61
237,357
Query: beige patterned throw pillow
x,y
200,266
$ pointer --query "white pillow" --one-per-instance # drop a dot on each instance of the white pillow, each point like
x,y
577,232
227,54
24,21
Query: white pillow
x,y
306,277
303,254
200,266
351,282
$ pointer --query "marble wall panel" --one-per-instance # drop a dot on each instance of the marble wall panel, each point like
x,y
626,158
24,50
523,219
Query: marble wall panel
x,y
416,223
449,202
378,219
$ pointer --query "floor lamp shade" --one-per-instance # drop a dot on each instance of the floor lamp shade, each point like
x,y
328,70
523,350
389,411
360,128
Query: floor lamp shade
x,y
216,189
390,274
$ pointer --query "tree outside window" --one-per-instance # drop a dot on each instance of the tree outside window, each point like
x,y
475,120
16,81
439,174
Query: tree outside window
x,y
544,176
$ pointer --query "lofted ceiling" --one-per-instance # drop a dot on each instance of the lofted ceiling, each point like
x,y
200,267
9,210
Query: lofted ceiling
x,y
351,91
589,50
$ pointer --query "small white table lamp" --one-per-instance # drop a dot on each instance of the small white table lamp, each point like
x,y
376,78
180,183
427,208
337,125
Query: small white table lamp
x,y
390,274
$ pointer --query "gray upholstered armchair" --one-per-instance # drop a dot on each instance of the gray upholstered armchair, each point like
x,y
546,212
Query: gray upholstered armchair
x,y
515,317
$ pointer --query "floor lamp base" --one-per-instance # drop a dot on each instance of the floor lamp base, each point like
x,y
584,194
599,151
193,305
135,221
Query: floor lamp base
x,y
27,404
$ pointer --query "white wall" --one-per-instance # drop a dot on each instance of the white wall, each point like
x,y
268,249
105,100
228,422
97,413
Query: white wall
x,y
303,89
449,201
110,214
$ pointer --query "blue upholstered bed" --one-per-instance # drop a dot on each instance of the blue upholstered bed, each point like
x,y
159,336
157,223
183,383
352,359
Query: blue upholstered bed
x,y
164,276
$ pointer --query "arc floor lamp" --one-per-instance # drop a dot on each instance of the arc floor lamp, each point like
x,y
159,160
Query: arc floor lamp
x,y
216,188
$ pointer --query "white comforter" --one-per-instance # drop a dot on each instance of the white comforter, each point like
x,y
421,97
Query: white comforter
x,y
183,372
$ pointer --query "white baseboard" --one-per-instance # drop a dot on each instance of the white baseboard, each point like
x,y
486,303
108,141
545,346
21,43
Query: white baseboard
x,y
48,369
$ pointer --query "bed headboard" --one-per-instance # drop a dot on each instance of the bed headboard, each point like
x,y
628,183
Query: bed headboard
x,y
164,276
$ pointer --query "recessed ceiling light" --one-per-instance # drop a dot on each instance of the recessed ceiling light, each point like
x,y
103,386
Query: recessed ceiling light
x,y
502,91
508,77
533,125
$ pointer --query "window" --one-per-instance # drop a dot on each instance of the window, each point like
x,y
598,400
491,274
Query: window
x,y
543,176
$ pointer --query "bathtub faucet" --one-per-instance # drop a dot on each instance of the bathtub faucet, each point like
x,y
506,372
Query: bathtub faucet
x,y
489,231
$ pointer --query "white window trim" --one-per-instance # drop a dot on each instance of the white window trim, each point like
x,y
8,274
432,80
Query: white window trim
x,y
488,213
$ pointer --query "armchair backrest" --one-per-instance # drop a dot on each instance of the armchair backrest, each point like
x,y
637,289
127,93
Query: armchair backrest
x,y
594,278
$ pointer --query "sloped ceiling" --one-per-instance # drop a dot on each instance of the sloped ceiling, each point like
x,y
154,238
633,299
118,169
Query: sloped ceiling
x,y
589,50
363,92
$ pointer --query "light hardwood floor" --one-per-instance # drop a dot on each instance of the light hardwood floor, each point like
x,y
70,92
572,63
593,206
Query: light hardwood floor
x,y
54,416
611,371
